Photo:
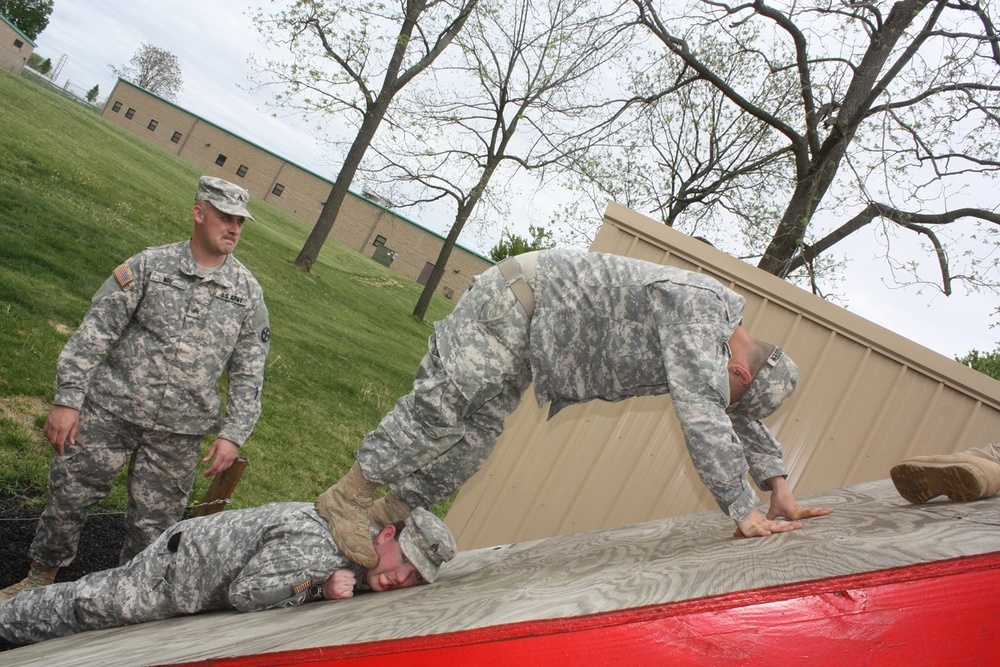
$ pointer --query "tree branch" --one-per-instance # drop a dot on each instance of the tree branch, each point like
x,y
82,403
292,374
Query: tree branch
x,y
916,222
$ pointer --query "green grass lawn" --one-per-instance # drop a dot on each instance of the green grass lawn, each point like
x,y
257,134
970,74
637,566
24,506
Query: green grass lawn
x,y
78,196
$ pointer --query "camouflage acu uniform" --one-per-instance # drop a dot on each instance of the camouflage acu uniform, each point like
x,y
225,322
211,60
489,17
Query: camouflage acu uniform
x,y
144,369
247,560
604,327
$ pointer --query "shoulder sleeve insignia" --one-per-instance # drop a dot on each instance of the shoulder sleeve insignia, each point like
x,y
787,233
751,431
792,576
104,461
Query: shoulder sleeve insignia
x,y
123,274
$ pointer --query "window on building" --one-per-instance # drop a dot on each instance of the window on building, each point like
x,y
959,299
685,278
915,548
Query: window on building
x,y
242,171
221,160
379,240
278,189
18,44
176,138
152,125
130,112
116,107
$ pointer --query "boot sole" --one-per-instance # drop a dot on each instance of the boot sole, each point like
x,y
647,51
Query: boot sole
x,y
920,482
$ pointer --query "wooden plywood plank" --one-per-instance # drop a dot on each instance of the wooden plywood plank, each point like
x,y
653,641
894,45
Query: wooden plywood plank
x,y
654,563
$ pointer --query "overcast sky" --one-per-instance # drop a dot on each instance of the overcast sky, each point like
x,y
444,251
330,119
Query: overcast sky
x,y
213,40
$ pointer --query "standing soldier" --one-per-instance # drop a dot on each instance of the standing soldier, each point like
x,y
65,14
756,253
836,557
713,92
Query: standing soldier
x,y
139,382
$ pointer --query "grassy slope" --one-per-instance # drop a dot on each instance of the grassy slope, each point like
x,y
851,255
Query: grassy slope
x,y
79,195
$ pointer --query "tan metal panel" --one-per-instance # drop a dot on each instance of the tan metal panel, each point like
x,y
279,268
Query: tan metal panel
x,y
867,398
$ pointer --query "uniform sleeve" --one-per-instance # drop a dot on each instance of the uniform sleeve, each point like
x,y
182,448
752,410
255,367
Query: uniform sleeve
x,y
112,308
763,453
694,332
246,373
281,572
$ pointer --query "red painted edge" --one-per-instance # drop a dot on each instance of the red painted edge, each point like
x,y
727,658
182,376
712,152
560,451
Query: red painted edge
x,y
945,612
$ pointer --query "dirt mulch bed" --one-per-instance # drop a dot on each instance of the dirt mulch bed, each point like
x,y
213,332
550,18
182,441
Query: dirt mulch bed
x,y
99,545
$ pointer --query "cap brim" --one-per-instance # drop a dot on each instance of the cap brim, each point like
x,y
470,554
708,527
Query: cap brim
x,y
427,569
232,210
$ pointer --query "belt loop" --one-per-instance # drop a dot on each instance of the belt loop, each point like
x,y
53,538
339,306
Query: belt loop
x,y
518,285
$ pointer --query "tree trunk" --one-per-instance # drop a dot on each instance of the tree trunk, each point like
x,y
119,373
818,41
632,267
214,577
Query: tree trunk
x,y
465,209
434,279
331,208
817,177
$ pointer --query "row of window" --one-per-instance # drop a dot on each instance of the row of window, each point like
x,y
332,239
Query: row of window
x,y
242,171
176,137
117,106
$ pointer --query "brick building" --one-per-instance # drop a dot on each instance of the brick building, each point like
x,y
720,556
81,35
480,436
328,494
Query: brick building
x,y
15,47
363,224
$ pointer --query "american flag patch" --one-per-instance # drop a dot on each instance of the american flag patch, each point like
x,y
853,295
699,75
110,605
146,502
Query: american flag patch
x,y
123,275
301,588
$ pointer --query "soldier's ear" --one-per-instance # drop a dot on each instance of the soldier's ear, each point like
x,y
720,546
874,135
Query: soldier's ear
x,y
741,372
739,380
386,533
198,214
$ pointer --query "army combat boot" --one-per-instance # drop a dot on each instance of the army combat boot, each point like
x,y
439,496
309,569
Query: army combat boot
x,y
345,507
38,576
961,477
389,509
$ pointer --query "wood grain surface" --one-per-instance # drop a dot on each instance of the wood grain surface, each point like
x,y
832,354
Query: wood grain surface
x,y
657,562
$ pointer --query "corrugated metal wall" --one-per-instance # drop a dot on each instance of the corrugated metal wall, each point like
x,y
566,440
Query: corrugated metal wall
x,y
866,398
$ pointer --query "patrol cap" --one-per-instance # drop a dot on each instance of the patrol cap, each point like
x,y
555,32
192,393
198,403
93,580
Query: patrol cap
x,y
223,195
426,541
772,386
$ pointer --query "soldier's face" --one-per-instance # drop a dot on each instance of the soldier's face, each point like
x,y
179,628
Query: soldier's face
x,y
394,570
217,232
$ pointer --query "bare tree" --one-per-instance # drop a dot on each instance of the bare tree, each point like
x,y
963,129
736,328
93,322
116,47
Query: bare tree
x,y
514,97
155,69
688,157
339,51
860,112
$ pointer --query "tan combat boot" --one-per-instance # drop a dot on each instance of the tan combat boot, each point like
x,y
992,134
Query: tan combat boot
x,y
345,507
961,477
38,576
388,509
